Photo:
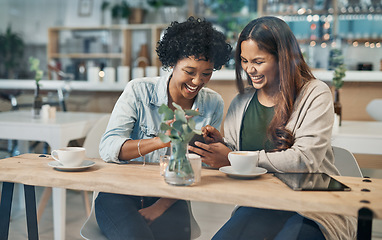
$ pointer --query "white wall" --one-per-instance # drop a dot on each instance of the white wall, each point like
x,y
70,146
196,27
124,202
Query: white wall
x,y
32,18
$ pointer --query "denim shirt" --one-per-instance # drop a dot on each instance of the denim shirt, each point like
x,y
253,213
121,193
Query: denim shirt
x,y
135,115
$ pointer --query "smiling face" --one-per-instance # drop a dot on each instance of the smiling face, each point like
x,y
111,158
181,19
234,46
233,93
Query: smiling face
x,y
188,77
261,67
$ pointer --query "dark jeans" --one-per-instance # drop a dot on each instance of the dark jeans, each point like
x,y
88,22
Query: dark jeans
x,y
118,218
257,223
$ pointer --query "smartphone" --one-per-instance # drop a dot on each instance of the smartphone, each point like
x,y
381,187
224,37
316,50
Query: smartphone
x,y
196,138
311,182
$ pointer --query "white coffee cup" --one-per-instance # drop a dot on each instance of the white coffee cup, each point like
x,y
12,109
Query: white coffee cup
x,y
69,156
196,164
243,162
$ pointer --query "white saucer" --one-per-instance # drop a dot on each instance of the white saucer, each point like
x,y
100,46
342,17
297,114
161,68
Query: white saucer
x,y
231,173
85,164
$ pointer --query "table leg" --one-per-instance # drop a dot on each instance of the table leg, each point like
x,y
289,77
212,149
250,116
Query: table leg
x,y
59,213
30,208
5,209
365,222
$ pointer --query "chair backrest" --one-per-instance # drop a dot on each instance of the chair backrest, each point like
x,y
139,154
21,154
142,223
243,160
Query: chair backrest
x,y
93,138
374,109
346,162
90,229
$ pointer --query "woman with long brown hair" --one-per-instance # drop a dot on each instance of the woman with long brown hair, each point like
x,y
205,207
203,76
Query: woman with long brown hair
x,y
286,116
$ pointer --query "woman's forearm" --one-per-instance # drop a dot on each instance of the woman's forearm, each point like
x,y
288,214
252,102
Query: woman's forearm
x,y
131,150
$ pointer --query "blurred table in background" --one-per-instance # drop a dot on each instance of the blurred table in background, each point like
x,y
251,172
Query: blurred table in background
x,y
363,137
67,126
360,137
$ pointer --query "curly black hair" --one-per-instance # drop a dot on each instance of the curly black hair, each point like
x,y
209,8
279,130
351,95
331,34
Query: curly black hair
x,y
193,38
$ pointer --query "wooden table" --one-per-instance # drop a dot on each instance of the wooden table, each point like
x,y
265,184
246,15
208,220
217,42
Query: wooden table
x,y
265,191
362,137
67,126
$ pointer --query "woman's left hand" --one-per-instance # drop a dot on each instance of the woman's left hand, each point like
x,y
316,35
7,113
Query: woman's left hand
x,y
156,210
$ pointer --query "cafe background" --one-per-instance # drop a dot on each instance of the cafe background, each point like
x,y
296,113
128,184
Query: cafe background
x,y
93,47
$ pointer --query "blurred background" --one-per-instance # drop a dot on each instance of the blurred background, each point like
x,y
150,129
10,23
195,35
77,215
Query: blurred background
x,y
87,33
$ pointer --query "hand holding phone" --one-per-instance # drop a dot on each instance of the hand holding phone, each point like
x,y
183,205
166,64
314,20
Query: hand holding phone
x,y
196,138
211,135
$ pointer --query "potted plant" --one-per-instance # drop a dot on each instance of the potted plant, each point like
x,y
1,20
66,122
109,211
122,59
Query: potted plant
x,y
227,13
105,14
179,171
169,9
11,51
164,3
37,103
337,62
120,12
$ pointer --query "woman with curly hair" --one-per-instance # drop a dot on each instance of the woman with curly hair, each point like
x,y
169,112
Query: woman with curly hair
x,y
193,50
286,116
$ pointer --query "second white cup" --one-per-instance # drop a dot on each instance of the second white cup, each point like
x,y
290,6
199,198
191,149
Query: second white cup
x,y
243,162
196,164
69,156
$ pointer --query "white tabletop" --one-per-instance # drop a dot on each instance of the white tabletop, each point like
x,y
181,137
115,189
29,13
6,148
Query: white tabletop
x,y
20,125
363,137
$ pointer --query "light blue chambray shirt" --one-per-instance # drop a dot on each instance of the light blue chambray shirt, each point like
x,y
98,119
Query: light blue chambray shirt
x,y
135,115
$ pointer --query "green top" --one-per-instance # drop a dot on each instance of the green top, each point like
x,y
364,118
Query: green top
x,y
253,133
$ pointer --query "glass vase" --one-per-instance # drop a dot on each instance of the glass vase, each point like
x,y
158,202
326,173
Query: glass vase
x,y
179,171
37,103
337,105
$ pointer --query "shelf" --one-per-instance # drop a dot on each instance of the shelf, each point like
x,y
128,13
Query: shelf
x,y
297,14
321,74
112,27
362,40
87,55
341,23
116,46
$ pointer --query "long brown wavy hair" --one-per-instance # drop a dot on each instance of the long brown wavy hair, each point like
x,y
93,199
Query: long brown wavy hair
x,y
274,36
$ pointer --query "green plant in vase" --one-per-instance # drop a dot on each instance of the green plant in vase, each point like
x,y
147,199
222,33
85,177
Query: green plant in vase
x,y
179,171
37,103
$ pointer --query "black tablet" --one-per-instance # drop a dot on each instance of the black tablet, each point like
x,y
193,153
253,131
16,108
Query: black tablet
x,y
311,182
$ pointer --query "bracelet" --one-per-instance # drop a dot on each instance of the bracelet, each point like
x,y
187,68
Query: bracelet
x,y
139,150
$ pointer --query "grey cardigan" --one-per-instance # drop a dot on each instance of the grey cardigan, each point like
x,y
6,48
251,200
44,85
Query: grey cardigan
x,y
311,124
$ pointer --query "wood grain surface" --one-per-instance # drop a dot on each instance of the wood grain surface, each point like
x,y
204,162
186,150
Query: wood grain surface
x,y
265,191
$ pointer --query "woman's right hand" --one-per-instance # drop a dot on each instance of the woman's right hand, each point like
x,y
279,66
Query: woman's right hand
x,y
214,154
211,135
